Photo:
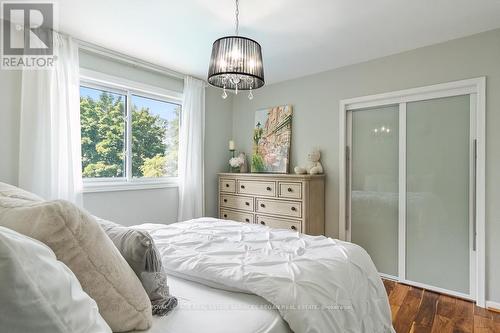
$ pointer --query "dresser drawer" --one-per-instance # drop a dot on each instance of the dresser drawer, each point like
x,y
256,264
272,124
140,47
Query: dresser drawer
x,y
227,214
278,223
276,207
290,190
227,185
253,187
236,202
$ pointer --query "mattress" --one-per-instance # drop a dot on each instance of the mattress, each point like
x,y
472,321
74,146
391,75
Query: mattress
x,y
209,310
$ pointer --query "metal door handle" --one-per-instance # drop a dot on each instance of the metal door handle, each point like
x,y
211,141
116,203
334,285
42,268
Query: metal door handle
x,y
474,202
347,185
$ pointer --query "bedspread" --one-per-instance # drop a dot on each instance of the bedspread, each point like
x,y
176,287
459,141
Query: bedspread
x,y
318,284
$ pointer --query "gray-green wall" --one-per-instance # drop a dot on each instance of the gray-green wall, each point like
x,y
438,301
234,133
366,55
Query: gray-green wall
x,y
316,99
218,129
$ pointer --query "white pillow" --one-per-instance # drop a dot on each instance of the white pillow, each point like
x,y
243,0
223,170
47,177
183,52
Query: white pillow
x,y
39,293
80,243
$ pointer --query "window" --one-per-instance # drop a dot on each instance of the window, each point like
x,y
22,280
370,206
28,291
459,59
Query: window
x,y
103,130
128,136
155,137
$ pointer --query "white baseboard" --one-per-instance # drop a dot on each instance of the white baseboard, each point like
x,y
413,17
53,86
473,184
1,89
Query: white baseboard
x,y
493,305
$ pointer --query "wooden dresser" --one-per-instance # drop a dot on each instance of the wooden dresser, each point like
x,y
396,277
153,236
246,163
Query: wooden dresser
x,y
285,201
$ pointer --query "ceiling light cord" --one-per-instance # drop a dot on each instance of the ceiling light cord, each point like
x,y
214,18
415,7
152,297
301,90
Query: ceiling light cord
x,y
237,15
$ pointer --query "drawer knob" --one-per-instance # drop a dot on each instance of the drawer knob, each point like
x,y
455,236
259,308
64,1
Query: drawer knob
x,y
293,227
247,203
268,188
242,186
225,215
227,185
248,220
262,222
290,189
294,209
225,200
262,205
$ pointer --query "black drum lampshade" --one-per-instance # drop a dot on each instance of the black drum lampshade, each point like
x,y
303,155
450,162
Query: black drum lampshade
x,y
236,64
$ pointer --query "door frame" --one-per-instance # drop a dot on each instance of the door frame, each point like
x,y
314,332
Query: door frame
x,y
476,87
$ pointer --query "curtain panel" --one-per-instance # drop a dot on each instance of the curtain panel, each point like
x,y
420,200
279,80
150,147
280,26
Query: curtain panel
x,y
50,148
191,150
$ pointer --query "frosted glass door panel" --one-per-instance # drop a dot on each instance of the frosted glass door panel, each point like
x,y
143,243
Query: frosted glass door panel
x,y
374,188
437,202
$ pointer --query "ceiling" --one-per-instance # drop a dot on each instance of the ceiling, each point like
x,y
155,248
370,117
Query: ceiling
x,y
298,37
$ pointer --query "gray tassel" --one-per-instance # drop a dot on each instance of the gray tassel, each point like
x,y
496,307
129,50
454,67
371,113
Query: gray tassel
x,y
163,306
154,280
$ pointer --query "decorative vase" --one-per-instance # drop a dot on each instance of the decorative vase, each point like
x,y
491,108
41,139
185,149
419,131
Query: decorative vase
x,y
244,166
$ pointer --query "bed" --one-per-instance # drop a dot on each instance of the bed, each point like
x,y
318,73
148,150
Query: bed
x,y
228,276
266,280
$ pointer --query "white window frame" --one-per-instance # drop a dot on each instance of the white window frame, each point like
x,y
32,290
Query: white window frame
x,y
98,80
476,87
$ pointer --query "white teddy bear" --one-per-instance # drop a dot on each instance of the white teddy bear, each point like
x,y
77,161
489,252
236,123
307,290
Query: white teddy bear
x,y
314,166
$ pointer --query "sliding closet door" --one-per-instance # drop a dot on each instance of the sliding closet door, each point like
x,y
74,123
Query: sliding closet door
x,y
437,193
374,180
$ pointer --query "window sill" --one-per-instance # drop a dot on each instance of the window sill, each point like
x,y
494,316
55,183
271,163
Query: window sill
x,y
112,186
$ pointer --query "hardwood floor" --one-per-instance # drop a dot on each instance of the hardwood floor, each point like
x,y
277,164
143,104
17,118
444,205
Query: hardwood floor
x,y
416,310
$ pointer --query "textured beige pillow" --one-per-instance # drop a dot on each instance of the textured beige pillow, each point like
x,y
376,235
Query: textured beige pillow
x,y
80,243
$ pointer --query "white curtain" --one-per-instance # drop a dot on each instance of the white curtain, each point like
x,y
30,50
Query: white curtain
x,y
191,150
50,150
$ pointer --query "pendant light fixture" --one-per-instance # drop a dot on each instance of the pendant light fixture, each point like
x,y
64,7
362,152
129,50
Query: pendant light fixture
x,y
236,63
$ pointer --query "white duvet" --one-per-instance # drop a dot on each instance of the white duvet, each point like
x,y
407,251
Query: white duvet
x,y
318,284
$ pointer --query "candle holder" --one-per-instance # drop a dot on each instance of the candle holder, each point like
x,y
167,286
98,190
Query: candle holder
x,y
231,169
